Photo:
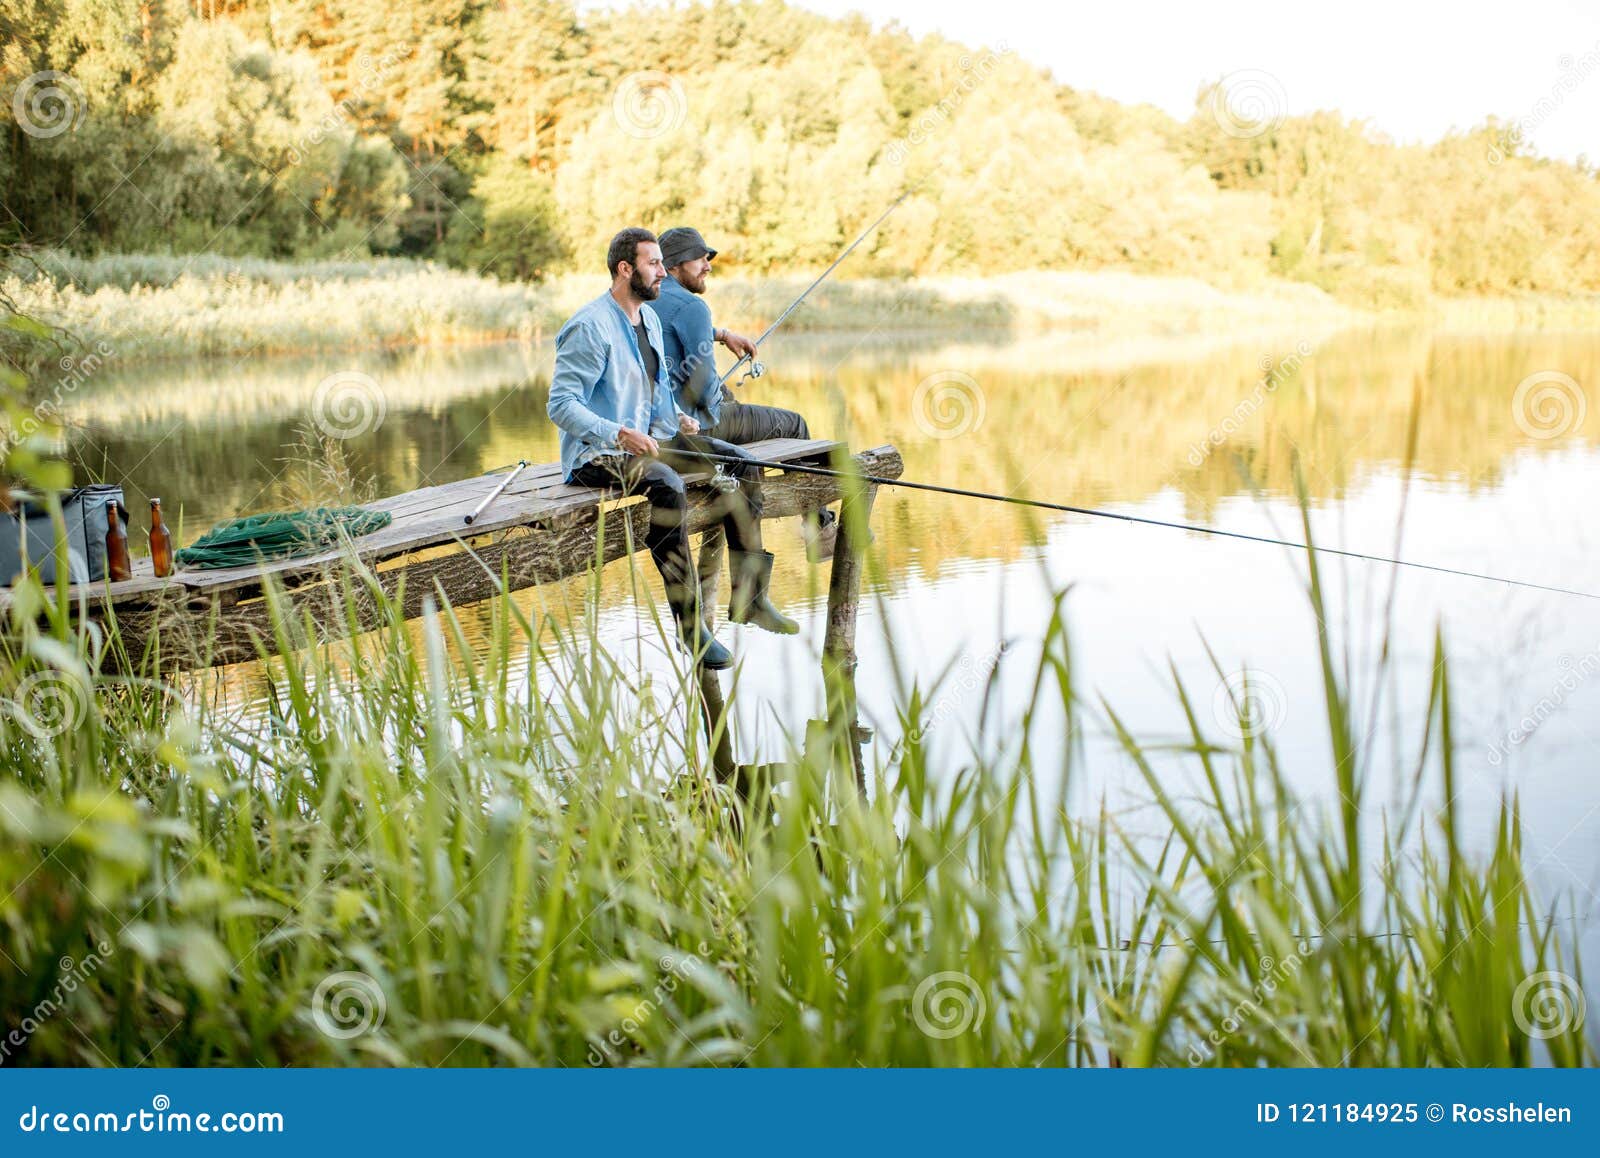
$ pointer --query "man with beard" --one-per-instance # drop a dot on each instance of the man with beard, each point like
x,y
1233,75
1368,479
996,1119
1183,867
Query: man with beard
x,y
691,340
620,427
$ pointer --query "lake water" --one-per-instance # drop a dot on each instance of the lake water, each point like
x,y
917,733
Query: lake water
x,y
1505,480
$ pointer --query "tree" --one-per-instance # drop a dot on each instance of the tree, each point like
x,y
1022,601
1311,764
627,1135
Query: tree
x,y
512,230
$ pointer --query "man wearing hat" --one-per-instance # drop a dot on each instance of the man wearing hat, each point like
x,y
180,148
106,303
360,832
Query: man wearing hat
x,y
690,342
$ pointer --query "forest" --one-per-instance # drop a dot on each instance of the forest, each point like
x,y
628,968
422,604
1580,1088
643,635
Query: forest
x,y
513,137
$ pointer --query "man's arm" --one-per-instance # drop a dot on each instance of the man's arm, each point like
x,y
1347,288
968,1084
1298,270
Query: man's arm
x,y
580,361
664,406
702,386
738,343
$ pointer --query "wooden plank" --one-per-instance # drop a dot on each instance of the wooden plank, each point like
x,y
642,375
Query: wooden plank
x,y
543,475
144,583
547,477
466,493
526,557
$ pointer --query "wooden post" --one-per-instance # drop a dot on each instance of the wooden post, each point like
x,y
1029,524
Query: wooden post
x,y
708,572
839,644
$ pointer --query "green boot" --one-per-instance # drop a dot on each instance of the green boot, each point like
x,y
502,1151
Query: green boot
x,y
752,572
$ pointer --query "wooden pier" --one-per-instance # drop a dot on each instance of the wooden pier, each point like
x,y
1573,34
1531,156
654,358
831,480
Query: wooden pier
x,y
538,531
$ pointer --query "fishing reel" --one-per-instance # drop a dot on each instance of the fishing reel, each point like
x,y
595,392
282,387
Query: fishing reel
x,y
722,482
757,369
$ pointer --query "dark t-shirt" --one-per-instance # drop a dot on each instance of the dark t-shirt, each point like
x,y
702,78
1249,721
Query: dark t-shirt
x,y
652,365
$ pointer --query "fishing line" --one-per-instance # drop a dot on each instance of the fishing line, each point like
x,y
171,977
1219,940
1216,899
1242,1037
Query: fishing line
x,y
1091,512
991,496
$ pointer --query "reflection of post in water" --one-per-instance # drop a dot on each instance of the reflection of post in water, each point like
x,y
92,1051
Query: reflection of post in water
x,y
845,735
718,724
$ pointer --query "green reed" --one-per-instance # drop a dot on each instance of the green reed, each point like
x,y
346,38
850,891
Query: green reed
x,y
421,852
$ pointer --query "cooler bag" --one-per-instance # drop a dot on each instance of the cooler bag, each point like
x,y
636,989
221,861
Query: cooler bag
x,y
27,532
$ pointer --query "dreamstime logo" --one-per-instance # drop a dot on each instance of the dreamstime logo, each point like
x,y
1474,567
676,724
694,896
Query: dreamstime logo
x,y
1547,1005
48,104
948,404
973,675
1549,404
947,1005
72,973
1248,703
348,404
675,968
50,703
347,1005
1277,371
1573,673
973,73
155,1120
1248,103
75,371
372,75
649,104
1273,974
317,732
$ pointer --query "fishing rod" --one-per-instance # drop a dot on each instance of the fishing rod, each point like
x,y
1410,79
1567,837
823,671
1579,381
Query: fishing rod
x,y
758,369
522,465
1101,514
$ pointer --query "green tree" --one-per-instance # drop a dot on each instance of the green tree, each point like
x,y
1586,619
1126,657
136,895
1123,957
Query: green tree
x,y
513,229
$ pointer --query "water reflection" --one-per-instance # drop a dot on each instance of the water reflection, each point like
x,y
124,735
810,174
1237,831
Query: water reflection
x,y
1127,425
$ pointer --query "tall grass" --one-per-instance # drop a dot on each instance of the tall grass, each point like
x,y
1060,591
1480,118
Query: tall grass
x,y
158,306
162,306
422,853
165,306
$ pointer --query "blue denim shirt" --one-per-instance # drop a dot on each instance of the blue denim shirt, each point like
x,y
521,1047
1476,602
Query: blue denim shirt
x,y
686,332
599,385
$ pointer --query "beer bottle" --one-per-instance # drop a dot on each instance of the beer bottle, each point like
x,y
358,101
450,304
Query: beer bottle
x,y
160,542
117,565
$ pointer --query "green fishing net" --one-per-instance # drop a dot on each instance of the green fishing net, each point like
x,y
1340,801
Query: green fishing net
x,y
281,535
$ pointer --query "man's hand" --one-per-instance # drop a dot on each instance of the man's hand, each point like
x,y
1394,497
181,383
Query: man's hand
x,y
738,343
688,425
635,443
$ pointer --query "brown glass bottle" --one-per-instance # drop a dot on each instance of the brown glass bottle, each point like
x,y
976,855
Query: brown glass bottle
x,y
160,542
117,565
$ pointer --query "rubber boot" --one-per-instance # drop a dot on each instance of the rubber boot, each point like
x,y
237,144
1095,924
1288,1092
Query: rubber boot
x,y
703,646
696,637
752,572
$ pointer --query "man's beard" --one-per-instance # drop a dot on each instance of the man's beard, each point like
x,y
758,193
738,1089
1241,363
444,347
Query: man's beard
x,y
695,285
645,291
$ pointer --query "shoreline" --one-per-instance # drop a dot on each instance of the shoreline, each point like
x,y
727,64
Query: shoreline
x,y
179,310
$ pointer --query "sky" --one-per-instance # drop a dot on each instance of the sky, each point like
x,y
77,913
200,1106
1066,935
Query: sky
x,y
1414,69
